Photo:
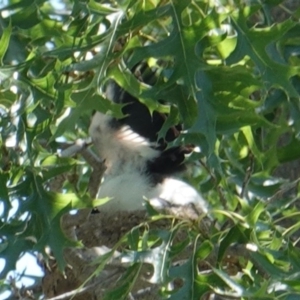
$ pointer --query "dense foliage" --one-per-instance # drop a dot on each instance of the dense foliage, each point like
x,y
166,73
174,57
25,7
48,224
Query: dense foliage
x,y
230,73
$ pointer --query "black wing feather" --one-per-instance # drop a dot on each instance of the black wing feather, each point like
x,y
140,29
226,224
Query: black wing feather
x,y
139,119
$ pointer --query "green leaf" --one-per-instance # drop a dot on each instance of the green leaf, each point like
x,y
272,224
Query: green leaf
x,y
257,210
4,197
206,121
235,234
259,45
237,289
158,257
46,209
125,284
4,41
269,267
188,273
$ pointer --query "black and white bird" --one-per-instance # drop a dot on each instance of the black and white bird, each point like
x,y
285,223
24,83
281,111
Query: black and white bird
x,y
139,165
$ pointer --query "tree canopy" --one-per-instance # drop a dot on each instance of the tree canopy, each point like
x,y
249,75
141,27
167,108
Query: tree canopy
x,y
228,71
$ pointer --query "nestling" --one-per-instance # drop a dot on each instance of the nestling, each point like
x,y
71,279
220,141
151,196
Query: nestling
x,y
139,165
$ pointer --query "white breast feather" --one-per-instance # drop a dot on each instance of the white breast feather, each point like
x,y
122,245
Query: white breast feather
x,y
178,192
128,191
122,149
